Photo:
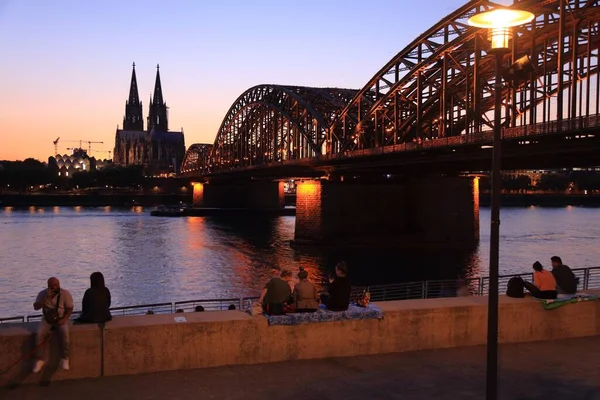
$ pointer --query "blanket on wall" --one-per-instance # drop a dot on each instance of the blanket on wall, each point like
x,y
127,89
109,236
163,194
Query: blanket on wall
x,y
323,315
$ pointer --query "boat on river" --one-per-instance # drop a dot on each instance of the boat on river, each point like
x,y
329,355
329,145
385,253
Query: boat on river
x,y
168,211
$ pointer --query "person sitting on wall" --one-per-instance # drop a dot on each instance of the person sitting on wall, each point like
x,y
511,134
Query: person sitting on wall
x,y
277,294
57,306
544,284
199,309
96,301
566,282
339,289
305,294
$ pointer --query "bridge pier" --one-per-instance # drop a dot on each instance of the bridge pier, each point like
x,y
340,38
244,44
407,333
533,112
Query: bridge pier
x,y
426,211
259,195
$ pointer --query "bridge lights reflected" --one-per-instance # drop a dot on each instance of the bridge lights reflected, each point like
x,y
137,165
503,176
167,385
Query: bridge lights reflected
x,y
500,23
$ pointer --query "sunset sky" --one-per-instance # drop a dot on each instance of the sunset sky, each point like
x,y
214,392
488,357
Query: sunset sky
x,y
66,65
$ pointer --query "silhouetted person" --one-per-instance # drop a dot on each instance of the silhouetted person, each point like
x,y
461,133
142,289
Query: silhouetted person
x,y
277,294
566,282
199,309
96,301
544,285
57,306
231,307
339,289
306,297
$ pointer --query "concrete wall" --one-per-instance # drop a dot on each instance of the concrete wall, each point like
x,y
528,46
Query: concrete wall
x,y
265,195
434,210
141,344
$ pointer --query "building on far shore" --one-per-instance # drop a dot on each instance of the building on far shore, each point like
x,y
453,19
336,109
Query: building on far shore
x,y
79,161
157,149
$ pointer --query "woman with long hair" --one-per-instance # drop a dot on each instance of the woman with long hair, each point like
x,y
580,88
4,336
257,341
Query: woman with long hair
x,y
96,301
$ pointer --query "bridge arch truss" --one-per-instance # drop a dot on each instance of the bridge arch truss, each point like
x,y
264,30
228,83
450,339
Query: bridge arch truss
x,y
196,158
441,85
271,124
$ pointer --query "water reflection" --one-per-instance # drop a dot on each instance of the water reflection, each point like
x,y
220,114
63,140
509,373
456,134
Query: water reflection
x,y
148,260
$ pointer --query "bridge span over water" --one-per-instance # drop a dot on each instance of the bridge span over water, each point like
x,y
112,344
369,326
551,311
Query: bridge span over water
x,y
428,113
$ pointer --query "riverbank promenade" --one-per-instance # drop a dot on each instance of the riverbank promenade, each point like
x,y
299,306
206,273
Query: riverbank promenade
x,y
563,369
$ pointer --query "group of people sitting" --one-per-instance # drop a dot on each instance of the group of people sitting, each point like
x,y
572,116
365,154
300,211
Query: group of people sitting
x,y
548,284
277,297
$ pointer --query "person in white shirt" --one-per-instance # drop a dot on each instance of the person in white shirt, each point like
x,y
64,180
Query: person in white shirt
x,y
57,306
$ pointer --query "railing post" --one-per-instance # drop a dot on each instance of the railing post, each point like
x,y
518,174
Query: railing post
x,y
423,286
586,279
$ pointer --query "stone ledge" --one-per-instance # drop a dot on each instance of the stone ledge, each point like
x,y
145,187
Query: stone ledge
x,y
151,343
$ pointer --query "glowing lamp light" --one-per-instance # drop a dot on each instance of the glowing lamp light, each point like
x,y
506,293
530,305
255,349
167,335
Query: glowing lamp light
x,y
500,22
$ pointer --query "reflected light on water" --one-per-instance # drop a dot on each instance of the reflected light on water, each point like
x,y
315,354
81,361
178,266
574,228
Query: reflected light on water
x,y
149,259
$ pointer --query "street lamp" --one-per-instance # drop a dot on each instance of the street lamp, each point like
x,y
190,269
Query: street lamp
x,y
500,23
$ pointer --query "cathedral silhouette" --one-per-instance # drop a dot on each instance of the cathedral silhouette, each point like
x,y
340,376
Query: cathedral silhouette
x,y
157,149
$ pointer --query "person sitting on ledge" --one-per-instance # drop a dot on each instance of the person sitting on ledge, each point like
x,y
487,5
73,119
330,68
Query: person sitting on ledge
x,y
276,294
305,295
199,309
96,301
57,306
339,289
231,307
544,285
566,282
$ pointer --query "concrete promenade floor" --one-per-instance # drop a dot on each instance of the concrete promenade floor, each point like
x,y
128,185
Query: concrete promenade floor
x,y
562,370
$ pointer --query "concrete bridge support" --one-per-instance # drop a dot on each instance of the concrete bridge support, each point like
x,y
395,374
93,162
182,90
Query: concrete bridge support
x,y
259,195
427,211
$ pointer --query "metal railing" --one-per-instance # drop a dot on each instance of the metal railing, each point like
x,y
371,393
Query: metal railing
x,y
588,278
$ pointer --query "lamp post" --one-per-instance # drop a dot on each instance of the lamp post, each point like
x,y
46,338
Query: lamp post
x,y
500,23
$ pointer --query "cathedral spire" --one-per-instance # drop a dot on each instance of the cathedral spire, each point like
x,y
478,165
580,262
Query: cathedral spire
x,y
157,115
133,119
158,98
133,88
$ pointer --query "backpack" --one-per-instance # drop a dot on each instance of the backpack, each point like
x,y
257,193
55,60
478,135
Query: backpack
x,y
515,287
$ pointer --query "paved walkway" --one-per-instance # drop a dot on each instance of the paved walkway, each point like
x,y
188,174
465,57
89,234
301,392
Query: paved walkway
x,y
562,370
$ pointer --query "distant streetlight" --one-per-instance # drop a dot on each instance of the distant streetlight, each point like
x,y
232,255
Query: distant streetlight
x,y
500,23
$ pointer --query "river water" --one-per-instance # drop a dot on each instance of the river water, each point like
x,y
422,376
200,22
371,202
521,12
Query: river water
x,y
148,259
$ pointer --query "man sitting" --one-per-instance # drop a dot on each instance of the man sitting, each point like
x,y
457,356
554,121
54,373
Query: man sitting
x,y
566,282
57,306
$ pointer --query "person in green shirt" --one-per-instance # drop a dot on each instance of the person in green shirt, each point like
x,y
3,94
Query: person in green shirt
x,y
276,294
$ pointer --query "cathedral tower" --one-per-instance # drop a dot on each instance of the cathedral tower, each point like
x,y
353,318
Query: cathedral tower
x,y
158,114
133,120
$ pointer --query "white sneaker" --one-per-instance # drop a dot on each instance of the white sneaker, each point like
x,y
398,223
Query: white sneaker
x,y
37,367
64,364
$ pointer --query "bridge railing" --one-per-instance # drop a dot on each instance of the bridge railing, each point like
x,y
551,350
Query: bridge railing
x,y
588,278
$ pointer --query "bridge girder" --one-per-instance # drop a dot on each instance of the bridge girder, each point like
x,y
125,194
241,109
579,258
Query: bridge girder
x,y
441,85
196,158
273,123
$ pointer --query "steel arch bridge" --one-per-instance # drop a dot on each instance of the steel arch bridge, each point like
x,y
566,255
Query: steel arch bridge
x,y
438,90
273,124
196,157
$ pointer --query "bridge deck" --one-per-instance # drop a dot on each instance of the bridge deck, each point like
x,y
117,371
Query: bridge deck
x,y
566,369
